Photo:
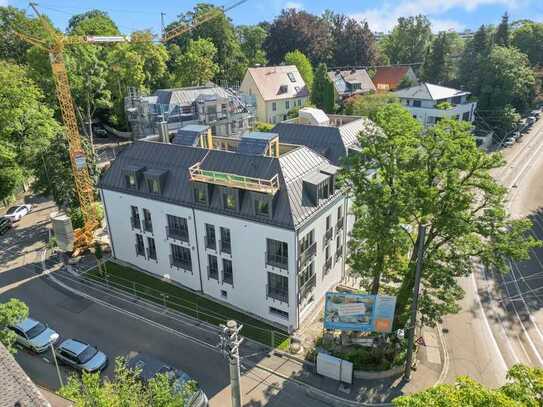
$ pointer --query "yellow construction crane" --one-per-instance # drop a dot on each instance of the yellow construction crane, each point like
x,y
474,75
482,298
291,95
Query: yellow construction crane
x,y
54,45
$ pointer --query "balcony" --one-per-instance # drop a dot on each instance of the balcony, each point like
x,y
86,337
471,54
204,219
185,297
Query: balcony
x,y
210,243
328,236
327,266
140,250
307,254
277,294
180,263
177,234
226,246
339,225
276,260
307,288
148,225
135,222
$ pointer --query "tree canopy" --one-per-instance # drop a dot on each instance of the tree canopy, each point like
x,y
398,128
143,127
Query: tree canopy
x,y
408,41
368,105
528,38
11,313
251,38
303,64
323,91
440,62
196,65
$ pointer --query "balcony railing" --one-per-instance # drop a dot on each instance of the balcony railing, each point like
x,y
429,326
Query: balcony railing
x,y
308,254
180,263
327,266
140,250
210,243
277,260
339,224
212,273
148,225
226,246
307,288
177,234
328,236
277,294
135,222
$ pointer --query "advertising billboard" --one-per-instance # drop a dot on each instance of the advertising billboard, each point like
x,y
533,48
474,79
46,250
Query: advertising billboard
x,y
359,312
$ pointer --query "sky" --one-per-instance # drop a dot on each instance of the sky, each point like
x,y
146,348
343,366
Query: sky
x,y
380,14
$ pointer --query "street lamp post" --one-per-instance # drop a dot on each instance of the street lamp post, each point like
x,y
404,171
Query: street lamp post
x,y
52,339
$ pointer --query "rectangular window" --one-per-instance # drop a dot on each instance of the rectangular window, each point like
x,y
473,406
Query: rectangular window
x,y
291,76
307,241
416,103
306,281
229,199
200,193
211,241
135,217
227,272
147,221
262,206
278,312
274,107
180,257
151,248
277,287
323,189
299,102
328,222
277,253
177,228
287,104
226,246
140,247
339,212
154,185
212,267
131,181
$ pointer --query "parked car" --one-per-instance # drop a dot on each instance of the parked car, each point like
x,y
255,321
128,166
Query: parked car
x,y
5,224
33,335
15,213
535,113
150,366
516,135
81,356
509,142
531,120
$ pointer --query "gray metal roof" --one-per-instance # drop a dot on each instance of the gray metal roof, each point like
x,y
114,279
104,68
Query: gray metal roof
x,y
187,96
15,385
290,207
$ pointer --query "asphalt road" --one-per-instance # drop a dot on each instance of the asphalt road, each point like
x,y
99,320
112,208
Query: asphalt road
x,y
114,332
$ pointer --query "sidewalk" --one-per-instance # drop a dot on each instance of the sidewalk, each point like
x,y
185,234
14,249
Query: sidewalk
x,y
255,355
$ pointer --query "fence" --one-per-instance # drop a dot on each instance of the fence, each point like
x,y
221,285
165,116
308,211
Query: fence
x,y
270,337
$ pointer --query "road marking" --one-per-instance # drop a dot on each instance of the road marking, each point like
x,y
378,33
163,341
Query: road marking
x,y
446,358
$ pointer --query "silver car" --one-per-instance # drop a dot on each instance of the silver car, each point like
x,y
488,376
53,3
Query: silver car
x,y
81,356
33,335
15,213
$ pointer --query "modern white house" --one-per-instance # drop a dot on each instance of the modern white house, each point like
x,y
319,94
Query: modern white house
x,y
253,223
430,103
278,89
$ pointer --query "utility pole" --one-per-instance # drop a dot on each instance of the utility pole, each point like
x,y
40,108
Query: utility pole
x,y
229,343
414,304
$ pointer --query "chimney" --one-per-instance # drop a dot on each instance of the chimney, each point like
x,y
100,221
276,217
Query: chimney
x,y
163,132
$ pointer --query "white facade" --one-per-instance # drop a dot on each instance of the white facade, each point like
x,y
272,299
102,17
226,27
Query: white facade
x,y
426,112
249,291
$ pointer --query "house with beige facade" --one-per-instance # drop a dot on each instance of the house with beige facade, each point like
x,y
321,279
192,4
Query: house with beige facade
x,y
277,89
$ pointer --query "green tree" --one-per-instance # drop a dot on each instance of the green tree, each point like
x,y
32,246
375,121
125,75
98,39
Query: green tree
x,y
473,59
303,64
408,41
524,388
323,92
440,62
441,180
12,47
251,39
125,389
11,313
502,36
368,105
528,39
92,22
196,65
221,32
26,124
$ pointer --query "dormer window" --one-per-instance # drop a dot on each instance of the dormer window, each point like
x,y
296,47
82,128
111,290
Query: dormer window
x,y
283,89
154,185
131,181
262,205
201,193
155,179
133,176
230,198
324,189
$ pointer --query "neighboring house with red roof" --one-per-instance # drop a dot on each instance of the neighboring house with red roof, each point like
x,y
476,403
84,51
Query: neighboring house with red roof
x,y
389,77
277,89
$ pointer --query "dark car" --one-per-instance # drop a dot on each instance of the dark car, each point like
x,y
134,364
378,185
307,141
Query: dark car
x,y
150,366
5,224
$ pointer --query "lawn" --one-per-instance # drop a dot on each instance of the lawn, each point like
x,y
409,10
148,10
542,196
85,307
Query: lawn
x,y
187,302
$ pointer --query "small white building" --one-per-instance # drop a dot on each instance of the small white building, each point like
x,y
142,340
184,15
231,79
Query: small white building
x,y
278,89
430,103
254,224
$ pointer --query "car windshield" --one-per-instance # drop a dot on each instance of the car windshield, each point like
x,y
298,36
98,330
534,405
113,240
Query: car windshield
x,y
87,354
12,210
35,330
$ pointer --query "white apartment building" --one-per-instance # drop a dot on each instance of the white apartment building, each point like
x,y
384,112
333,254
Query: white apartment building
x,y
430,103
278,89
257,225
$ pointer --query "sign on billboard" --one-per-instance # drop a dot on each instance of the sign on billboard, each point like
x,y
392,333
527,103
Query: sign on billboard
x,y
359,312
